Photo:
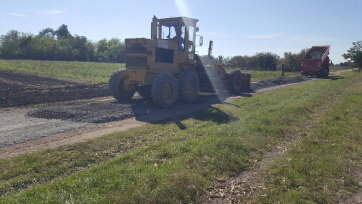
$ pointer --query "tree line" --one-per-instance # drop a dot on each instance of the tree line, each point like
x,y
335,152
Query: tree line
x,y
265,61
354,55
60,45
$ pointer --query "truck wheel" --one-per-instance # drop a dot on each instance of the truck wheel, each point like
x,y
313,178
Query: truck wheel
x,y
115,85
189,86
326,73
164,90
235,81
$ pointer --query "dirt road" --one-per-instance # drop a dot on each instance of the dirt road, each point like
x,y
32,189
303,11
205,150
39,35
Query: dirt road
x,y
28,130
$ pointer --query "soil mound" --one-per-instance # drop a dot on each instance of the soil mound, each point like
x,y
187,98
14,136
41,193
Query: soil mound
x,y
277,81
22,89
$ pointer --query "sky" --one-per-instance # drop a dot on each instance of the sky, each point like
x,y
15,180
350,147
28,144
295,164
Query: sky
x,y
237,27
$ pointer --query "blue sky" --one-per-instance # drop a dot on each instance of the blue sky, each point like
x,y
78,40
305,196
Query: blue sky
x,y
237,27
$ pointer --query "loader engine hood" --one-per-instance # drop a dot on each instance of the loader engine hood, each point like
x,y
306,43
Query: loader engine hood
x,y
145,53
136,52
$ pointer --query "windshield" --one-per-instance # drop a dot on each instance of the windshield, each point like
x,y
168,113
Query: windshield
x,y
169,29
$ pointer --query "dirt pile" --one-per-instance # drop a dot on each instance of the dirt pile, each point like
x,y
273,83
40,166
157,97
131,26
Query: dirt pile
x,y
21,90
277,81
110,110
18,90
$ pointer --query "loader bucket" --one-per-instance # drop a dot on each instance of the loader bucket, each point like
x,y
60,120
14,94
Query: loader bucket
x,y
245,81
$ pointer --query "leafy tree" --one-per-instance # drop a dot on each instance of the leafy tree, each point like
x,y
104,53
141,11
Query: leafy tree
x,y
24,46
261,61
80,48
110,51
91,51
222,60
60,44
62,32
267,60
355,54
64,50
116,50
10,44
344,64
292,61
251,62
48,32
42,48
102,51
237,61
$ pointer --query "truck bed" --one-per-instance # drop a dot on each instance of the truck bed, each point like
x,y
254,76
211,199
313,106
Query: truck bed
x,y
316,61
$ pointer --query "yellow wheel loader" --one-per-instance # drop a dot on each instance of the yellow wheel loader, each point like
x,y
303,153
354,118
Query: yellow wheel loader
x,y
166,68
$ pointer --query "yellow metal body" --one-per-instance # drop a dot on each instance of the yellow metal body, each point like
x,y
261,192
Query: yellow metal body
x,y
171,49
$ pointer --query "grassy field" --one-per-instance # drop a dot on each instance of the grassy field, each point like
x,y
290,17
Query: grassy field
x,y
91,72
174,161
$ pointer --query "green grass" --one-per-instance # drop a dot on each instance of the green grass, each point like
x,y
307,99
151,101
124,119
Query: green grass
x,y
88,72
174,161
323,167
265,75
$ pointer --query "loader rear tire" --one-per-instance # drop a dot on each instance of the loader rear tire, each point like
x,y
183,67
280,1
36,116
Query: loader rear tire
x,y
189,86
235,81
165,90
115,85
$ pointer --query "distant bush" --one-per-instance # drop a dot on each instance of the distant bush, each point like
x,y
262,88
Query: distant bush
x,y
60,45
264,61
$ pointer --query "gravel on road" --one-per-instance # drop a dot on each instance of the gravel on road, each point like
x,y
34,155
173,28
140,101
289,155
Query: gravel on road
x,y
18,126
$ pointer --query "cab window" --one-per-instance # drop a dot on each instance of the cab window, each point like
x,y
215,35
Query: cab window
x,y
169,30
182,38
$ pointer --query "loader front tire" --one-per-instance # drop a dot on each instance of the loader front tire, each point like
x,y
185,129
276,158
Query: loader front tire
x,y
115,85
165,90
189,86
235,81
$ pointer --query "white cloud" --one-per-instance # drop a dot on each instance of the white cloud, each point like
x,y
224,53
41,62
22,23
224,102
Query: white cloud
x,y
53,12
17,14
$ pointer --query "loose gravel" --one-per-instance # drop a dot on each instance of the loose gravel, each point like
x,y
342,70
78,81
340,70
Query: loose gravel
x,y
18,126
278,81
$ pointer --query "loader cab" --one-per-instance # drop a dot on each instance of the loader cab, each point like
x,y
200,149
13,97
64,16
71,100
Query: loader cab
x,y
177,34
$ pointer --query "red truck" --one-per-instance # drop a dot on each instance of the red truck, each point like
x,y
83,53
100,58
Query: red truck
x,y
316,62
